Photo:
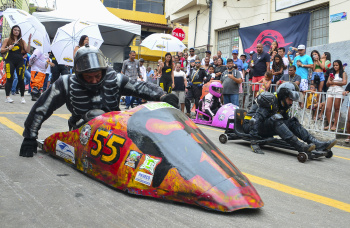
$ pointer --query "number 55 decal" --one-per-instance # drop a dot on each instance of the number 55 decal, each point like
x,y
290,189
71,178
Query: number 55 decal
x,y
114,143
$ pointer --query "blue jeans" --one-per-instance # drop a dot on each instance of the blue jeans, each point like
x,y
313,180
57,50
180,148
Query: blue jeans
x,y
129,101
319,74
27,77
47,79
231,98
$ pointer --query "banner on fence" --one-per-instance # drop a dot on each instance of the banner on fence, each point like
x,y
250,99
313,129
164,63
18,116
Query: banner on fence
x,y
287,32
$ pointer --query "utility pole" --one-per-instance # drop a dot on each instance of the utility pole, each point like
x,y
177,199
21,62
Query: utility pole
x,y
210,5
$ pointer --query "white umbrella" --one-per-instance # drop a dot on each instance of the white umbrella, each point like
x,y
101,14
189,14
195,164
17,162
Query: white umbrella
x,y
68,36
29,25
163,42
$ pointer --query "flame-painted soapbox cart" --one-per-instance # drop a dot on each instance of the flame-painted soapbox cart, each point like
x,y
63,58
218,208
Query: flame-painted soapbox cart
x,y
155,150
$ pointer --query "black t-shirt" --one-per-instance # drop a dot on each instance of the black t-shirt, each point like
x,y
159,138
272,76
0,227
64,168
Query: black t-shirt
x,y
219,69
260,61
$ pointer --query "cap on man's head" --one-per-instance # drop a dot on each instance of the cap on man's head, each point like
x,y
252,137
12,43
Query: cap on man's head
x,y
208,52
235,51
244,55
301,47
251,53
141,60
192,61
191,49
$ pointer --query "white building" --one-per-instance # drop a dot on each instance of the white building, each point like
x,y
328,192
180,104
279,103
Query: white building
x,y
229,15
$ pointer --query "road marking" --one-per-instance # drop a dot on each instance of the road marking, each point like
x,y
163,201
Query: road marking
x,y
299,193
64,116
255,179
342,147
11,125
4,113
341,157
213,129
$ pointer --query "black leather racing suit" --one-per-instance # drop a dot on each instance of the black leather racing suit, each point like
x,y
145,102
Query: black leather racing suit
x,y
268,123
79,100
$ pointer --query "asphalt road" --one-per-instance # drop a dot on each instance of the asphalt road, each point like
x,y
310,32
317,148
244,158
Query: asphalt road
x,y
44,192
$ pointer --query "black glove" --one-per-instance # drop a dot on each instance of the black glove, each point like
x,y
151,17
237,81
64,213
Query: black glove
x,y
28,147
171,99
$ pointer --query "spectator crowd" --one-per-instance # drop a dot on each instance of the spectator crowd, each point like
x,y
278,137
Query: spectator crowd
x,y
321,81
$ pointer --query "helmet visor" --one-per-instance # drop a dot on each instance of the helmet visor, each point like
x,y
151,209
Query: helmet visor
x,y
90,62
294,95
217,89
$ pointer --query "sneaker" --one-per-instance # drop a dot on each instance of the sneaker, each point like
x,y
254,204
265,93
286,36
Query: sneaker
x,y
23,101
9,100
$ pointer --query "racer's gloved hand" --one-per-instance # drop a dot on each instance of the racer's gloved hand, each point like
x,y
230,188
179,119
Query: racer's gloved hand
x,y
171,99
28,147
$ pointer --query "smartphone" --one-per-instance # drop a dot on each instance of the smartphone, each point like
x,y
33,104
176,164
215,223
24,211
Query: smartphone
x,y
290,48
331,75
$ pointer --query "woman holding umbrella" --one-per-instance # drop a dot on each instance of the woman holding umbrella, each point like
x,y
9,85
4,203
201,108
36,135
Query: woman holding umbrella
x,y
84,39
16,47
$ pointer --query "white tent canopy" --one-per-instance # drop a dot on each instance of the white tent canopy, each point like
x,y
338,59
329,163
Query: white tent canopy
x,y
115,32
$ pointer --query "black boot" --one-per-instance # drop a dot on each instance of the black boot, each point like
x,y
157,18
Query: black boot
x,y
320,145
299,145
35,94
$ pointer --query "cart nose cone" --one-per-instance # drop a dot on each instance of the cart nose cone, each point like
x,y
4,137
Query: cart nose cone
x,y
223,197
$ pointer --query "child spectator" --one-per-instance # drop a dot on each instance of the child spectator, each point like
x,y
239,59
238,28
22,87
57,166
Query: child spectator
x,y
277,68
312,102
266,82
211,73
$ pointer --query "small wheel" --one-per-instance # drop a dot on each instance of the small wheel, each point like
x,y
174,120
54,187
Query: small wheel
x,y
223,138
329,154
302,157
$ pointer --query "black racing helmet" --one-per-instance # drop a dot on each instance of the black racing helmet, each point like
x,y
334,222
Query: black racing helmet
x,y
89,59
287,89
267,100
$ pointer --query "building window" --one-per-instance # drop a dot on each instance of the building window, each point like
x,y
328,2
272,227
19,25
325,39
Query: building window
x,y
228,40
120,4
150,6
319,26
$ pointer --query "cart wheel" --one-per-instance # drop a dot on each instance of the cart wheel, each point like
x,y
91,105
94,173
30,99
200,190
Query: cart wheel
x,y
329,154
302,157
223,138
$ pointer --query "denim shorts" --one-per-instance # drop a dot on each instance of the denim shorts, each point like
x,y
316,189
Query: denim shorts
x,y
319,74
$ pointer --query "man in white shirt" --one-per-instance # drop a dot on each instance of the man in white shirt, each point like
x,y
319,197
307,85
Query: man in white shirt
x,y
143,70
39,62
207,54
192,56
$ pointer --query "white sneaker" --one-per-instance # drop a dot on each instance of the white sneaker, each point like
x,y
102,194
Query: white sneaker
x,y
9,100
23,101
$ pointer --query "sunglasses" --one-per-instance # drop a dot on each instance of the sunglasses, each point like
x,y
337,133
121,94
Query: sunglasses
x,y
197,62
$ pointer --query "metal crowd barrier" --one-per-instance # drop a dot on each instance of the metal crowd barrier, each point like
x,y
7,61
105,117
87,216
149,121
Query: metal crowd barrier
x,y
305,114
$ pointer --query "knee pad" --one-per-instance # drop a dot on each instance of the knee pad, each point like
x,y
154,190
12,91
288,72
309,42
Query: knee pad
x,y
277,120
